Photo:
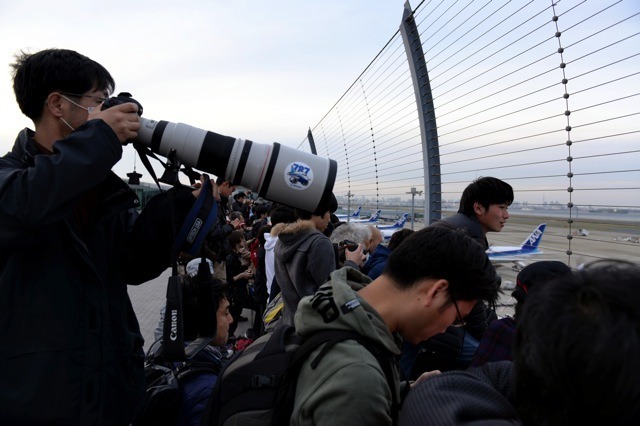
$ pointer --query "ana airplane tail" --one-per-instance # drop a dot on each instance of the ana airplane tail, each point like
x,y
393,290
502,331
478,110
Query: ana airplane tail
x,y
533,240
374,217
399,223
512,253
356,214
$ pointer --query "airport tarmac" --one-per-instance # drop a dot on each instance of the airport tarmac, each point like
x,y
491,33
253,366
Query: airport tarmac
x,y
603,242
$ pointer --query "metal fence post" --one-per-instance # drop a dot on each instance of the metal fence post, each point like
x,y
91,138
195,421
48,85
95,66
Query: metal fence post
x,y
426,116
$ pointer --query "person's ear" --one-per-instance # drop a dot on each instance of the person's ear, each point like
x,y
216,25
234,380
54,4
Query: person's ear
x,y
478,208
433,289
53,104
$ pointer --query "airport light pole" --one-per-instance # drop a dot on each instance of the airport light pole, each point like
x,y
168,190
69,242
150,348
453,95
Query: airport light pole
x,y
349,195
413,199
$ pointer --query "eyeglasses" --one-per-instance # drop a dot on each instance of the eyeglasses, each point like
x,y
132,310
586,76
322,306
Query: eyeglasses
x,y
98,99
459,322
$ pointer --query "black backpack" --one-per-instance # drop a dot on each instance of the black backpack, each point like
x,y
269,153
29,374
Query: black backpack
x,y
163,394
258,385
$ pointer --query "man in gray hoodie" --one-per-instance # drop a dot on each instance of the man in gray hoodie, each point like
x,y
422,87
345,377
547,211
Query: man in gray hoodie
x,y
304,256
432,280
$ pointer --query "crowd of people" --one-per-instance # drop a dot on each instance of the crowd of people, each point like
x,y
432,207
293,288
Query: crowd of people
x,y
71,240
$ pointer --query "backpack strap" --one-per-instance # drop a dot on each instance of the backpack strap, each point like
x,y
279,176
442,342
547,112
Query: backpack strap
x,y
189,368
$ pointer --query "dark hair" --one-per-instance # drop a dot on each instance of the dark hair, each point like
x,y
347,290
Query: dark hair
x,y
535,274
263,230
282,214
191,315
486,191
330,205
37,75
441,253
235,215
235,237
577,348
398,237
239,195
259,210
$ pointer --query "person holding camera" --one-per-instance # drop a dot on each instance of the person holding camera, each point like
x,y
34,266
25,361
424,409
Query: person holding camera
x,y
71,240
351,242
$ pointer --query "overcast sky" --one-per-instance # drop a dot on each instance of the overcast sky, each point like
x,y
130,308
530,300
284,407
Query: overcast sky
x,y
260,70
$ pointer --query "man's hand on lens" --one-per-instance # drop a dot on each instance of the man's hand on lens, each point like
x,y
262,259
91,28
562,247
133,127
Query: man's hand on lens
x,y
123,119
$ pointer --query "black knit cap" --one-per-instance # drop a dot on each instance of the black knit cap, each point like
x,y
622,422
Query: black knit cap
x,y
538,272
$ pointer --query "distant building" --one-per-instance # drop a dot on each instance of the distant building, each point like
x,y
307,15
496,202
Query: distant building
x,y
144,191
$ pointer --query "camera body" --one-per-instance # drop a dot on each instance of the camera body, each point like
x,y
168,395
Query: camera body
x,y
348,244
276,172
343,246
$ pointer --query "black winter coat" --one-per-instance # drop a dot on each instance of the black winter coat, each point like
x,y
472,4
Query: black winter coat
x,y
70,242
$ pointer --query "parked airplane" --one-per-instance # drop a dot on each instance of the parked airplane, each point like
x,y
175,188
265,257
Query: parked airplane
x,y
354,215
370,220
515,253
388,230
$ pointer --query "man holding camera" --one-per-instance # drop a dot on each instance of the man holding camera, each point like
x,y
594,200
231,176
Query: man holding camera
x,y
70,242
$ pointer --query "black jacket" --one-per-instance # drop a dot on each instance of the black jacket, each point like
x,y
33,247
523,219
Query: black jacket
x,y
478,396
216,246
70,242
470,223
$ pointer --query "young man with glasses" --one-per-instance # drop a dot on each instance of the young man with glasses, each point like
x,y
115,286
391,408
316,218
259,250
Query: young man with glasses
x,y
70,242
575,360
430,281
483,208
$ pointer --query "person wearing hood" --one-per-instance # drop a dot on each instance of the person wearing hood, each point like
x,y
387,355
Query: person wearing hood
x,y
304,256
432,280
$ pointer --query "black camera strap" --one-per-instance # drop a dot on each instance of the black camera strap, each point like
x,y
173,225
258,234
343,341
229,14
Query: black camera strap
x,y
144,153
201,218
173,327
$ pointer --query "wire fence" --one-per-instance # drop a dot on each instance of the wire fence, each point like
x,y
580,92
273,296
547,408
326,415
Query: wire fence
x,y
544,95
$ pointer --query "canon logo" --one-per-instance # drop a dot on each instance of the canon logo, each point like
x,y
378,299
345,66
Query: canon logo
x,y
174,325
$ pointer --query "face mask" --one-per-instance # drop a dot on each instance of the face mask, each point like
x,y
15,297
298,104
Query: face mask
x,y
68,125
88,109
